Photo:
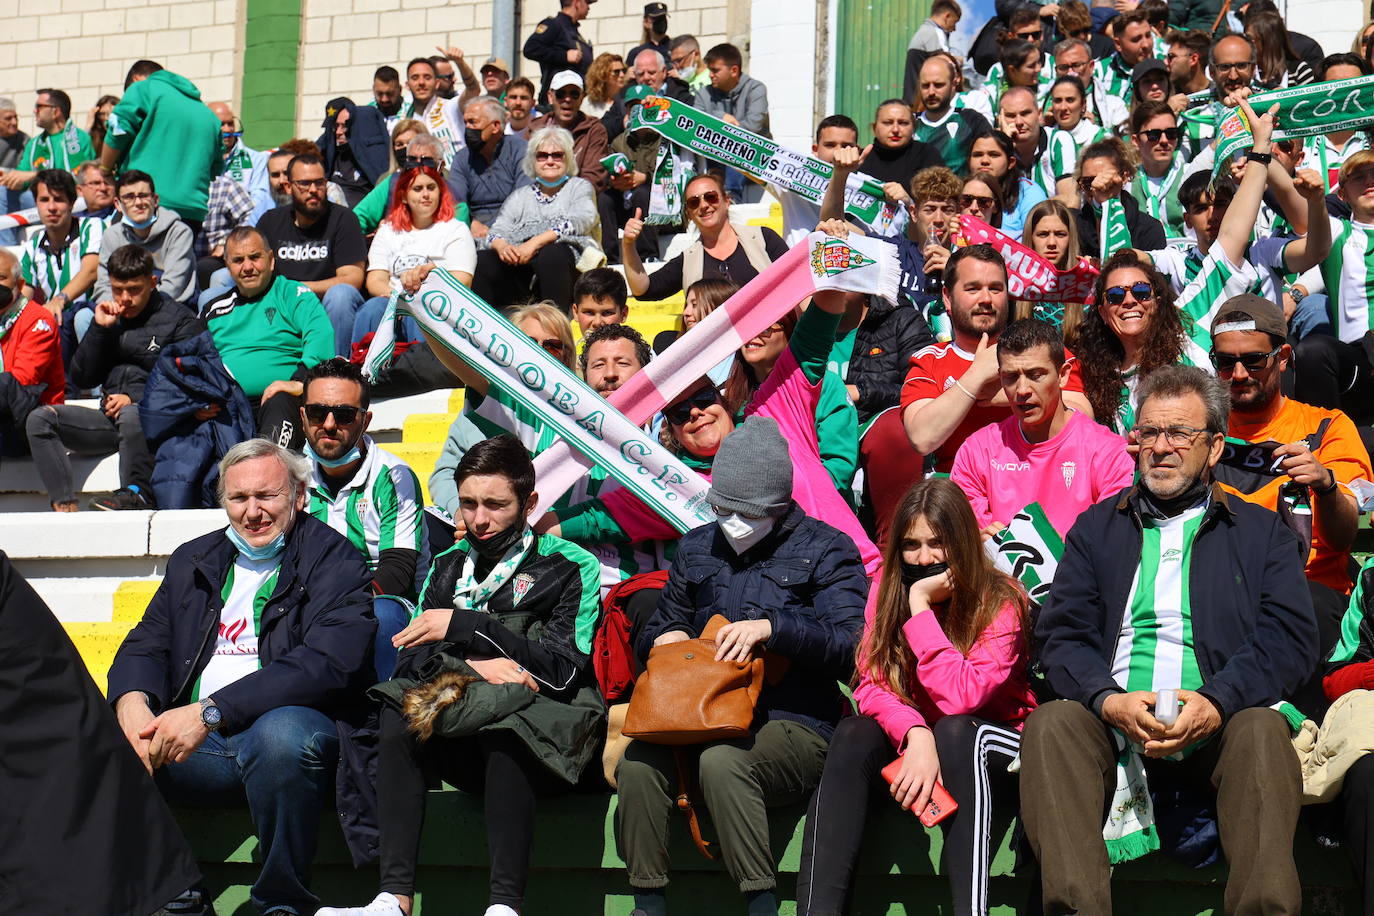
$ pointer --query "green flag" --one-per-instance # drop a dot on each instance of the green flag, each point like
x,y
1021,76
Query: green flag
x,y
1115,234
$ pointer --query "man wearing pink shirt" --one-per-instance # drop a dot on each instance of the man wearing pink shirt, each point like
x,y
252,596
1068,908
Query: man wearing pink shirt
x,y
1045,452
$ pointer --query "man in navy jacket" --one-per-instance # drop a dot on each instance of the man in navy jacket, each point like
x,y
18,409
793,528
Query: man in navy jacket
x,y
1172,585
254,648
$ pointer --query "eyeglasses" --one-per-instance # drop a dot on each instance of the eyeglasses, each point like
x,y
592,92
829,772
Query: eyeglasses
x,y
973,200
1161,133
552,345
1225,363
700,399
555,155
1140,292
710,198
723,512
344,414
1233,68
309,183
1177,436
135,198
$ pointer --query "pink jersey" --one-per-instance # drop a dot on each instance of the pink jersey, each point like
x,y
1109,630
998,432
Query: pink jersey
x,y
1002,473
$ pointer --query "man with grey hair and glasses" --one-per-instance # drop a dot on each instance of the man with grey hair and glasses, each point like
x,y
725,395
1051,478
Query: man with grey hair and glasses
x,y
487,170
248,664
1178,623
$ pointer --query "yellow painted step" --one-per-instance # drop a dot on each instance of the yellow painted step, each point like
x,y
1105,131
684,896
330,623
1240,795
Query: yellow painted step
x,y
421,458
98,643
670,306
131,599
426,428
773,222
455,401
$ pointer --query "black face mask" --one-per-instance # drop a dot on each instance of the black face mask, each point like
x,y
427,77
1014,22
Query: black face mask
x,y
400,156
6,297
495,546
659,25
915,572
473,138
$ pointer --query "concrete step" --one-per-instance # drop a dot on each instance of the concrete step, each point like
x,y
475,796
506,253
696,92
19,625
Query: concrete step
x,y
126,545
96,599
97,642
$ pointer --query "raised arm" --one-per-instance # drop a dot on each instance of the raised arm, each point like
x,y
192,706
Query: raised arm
x,y
1239,222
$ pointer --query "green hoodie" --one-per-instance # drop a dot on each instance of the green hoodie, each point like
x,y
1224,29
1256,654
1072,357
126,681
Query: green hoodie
x,y
163,128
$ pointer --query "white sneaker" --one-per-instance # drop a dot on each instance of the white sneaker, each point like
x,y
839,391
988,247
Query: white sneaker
x,y
385,905
500,909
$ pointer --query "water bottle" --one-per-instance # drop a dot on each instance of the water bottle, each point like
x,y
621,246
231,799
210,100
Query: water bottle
x,y
1166,706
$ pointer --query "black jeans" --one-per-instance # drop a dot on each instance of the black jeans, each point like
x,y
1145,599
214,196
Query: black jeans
x,y
974,754
279,420
54,430
616,212
497,766
550,274
1332,374
1357,804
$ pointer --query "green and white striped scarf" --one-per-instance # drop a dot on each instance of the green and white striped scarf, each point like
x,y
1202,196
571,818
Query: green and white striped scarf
x,y
471,595
1114,233
1160,199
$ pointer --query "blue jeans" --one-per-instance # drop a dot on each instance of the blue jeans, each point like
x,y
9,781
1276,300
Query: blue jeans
x,y
370,316
393,615
283,764
1311,317
341,304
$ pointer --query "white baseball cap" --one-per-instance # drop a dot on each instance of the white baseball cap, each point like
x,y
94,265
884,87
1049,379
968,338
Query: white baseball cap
x,y
565,78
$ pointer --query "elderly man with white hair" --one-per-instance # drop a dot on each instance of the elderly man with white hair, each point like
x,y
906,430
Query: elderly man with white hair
x,y
12,141
251,657
487,170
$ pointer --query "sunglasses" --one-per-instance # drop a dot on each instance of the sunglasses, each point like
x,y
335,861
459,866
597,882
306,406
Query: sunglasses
x,y
555,155
619,71
344,414
1140,292
973,200
1161,133
1225,363
568,95
412,162
1031,36
700,399
552,345
712,198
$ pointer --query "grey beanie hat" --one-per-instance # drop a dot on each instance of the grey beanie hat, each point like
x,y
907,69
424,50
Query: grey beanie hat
x,y
752,471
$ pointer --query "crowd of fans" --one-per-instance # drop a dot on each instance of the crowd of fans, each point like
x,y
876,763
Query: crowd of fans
x,y
1196,431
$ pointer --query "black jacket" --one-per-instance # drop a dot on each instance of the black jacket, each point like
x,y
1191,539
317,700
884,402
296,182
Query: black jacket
x,y
1147,233
900,165
118,359
1254,630
883,345
548,46
805,577
317,629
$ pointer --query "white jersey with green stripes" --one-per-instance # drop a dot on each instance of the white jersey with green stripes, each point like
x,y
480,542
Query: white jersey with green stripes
x,y
1155,647
1061,152
1349,274
49,268
380,508
496,414
1326,158
1265,259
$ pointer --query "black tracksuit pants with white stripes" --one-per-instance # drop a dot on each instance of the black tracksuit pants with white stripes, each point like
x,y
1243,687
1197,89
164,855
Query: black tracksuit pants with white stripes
x,y
974,754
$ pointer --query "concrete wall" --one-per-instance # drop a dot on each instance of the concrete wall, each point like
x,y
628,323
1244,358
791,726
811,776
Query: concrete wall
x,y
344,41
86,46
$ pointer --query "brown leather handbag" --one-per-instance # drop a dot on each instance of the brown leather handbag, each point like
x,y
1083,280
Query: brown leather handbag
x,y
686,697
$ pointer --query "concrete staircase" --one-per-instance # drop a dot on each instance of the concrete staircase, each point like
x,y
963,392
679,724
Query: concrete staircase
x,y
98,570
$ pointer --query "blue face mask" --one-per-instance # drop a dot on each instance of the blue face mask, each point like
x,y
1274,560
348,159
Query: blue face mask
x,y
248,551
129,221
354,454
544,182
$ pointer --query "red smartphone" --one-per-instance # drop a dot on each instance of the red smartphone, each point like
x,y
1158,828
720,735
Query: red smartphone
x,y
941,804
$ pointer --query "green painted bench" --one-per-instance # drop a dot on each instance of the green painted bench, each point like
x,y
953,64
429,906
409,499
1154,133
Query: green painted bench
x,y
578,872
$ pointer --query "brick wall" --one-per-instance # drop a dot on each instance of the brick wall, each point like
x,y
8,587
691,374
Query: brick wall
x,y
86,46
344,41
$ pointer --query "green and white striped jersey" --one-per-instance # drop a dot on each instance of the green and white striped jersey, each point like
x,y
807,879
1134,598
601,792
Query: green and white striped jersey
x,y
65,149
1159,198
1112,74
1349,274
496,414
995,83
974,100
1061,153
1154,649
48,269
1265,256
1215,281
381,508
1320,154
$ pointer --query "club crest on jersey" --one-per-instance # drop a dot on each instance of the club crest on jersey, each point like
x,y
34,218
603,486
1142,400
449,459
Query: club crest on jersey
x,y
1068,469
363,505
521,586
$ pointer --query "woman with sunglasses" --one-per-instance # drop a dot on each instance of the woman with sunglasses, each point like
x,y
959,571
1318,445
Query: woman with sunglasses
x,y
546,233
995,153
941,685
605,78
1071,133
1052,232
1138,325
1155,134
981,197
697,422
420,234
725,251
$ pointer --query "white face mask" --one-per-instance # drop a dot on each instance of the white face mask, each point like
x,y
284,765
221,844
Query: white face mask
x,y
744,533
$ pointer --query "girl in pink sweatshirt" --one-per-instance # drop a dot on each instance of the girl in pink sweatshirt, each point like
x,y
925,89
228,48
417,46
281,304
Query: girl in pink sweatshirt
x,y
942,682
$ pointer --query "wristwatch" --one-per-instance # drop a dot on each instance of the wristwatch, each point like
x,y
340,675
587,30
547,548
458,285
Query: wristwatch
x,y
210,715
1261,158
